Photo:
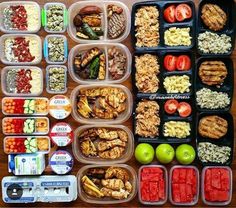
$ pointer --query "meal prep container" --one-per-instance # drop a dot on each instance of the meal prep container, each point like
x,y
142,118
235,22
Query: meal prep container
x,y
226,87
3,80
24,138
46,50
47,79
166,185
97,160
163,25
104,47
28,98
227,140
165,118
120,119
164,73
230,191
229,29
5,4
75,8
24,118
44,16
2,49
197,187
92,200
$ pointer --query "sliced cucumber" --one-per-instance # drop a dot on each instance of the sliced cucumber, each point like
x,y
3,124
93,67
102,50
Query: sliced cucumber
x,y
26,103
32,105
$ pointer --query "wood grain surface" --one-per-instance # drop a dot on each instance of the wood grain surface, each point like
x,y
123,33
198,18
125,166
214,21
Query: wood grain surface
x,y
70,120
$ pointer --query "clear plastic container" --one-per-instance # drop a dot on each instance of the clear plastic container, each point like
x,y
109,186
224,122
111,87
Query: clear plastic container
x,y
30,105
104,47
47,79
38,43
36,119
121,117
97,160
46,51
75,8
3,80
23,139
166,185
195,201
88,199
225,203
5,4
44,17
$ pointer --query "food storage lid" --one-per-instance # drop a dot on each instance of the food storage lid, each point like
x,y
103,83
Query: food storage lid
x,y
5,4
59,107
97,160
46,49
88,199
104,47
38,44
75,8
61,134
47,79
44,17
161,202
61,162
195,201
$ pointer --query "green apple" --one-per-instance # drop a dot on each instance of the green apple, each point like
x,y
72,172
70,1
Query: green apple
x,y
185,154
165,153
144,153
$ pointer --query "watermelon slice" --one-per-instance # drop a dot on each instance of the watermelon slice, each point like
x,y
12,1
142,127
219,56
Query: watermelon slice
x,y
182,175
176,193
215,182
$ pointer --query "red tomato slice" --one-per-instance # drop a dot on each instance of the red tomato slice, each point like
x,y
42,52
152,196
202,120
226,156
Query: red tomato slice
x,y
184,109
183,63
169,14
182,12
171,106
170,62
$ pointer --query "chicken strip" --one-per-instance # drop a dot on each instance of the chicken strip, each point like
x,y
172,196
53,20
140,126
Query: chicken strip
x,y
114,184
113,153
105,145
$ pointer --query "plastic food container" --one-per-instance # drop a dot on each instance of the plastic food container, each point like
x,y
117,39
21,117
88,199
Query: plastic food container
x,y
25,125
38,81
195,201
104,47
225,203
75,8
120,119
45,20
61,134
84,197
38,47
59,107
97,160
48,81
161,202
5,4
46,49
25,106
61,162
30,144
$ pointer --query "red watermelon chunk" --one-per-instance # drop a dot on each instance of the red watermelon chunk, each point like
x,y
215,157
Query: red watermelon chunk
x,y
175,176
190,176
162,189
182,175
176,193
153,190
182,189
224,179
189,194
215,182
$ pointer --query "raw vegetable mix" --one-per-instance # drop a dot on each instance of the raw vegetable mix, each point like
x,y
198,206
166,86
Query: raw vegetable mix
x,y
55,18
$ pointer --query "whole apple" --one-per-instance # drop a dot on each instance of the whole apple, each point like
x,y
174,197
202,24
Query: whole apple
x,y
144,153
185,154
165,153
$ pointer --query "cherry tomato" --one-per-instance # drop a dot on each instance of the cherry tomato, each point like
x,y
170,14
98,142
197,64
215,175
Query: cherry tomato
x,y
184,109
170,62
182,12
183,63
169,14
171,106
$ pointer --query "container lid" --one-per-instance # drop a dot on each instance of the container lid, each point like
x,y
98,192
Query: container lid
x,y
61,134
61,162
59,107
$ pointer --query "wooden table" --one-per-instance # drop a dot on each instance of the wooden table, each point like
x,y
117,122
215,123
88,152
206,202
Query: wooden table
x,y
70,120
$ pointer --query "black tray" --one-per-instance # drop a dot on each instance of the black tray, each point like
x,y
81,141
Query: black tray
x,y
227,140
165,117
226,87
229,8
163,25
161,93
